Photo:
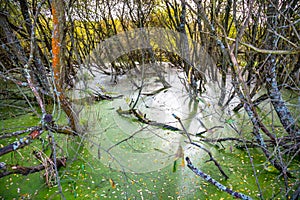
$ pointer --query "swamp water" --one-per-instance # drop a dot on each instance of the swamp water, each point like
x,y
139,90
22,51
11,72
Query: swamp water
x,y
120,158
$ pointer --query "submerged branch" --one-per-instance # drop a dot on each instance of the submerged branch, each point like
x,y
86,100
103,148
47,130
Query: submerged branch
x,y
142,118
96,96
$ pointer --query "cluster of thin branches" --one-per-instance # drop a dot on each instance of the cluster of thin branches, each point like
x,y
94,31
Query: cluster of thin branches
x,y
255,45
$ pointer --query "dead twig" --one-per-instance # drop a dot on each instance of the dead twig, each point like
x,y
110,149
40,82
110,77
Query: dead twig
x,y
199,146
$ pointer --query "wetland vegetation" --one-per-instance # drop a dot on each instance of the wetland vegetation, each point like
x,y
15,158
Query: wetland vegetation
x,y
168,99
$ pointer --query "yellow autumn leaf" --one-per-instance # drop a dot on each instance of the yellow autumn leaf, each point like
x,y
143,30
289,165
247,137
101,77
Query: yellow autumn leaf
x,y
182,162
112,183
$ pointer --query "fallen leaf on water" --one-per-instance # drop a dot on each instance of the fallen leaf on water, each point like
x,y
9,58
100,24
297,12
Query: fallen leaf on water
x,y
112,183
182,162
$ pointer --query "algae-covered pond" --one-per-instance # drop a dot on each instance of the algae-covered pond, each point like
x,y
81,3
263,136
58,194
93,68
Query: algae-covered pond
x,y
119,157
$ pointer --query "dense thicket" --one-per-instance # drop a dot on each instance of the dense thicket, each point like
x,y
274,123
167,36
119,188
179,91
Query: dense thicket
x,y
254,43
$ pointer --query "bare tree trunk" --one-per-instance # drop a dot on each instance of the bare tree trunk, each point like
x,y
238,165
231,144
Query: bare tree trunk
x,y
58,46
274,93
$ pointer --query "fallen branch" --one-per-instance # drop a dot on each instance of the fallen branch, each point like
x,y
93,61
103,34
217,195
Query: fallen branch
x,y
35,132
142,118
211,158
29,170
214,182
20,132
22,142
199,146
220,140
97,96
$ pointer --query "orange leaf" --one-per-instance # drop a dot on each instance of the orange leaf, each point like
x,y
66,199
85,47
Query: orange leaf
x,y
34,134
